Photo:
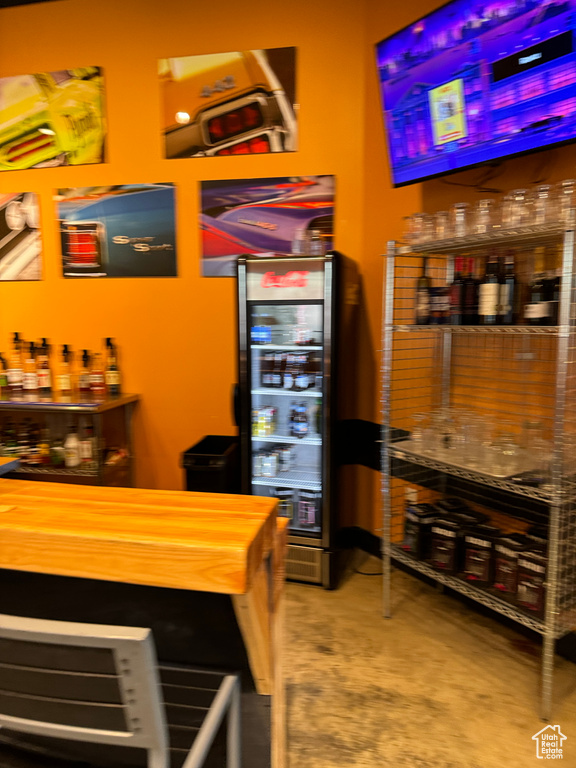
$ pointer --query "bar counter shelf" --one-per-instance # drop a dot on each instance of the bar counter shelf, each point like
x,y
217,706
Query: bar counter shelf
x,y
110,419
64,403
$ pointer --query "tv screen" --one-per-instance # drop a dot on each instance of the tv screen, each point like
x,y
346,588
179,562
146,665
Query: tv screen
x,y
477,81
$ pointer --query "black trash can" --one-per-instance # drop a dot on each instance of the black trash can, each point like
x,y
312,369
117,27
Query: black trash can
x,y
213,465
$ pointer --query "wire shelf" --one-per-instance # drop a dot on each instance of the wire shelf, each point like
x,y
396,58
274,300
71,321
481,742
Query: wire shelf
x,y
517,237
505,397
272,392
402,450
285,439
310,481
538,330
464,588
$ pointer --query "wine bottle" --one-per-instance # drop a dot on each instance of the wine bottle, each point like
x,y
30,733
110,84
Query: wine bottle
x,y
470,296
507,311
457,295
537,310
423,286
489,293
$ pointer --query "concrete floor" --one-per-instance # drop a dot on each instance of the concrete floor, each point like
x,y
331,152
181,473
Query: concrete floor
x,y
438,685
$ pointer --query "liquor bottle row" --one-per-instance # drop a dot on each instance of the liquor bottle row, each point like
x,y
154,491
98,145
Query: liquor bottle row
x,y
296,371
498,297
303,507
301,420
31,369
459,541
52,445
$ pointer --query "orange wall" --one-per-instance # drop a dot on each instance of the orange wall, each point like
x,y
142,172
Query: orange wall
x,y
177,336
167,328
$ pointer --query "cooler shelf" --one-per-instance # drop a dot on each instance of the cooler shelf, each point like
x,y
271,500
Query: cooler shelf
x,y
309,481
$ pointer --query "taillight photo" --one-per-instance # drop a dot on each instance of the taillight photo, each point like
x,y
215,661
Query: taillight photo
x,y
236,122
254,146
81,248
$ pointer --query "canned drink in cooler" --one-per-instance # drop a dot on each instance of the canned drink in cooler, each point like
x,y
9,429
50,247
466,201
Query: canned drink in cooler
x,y
285,458
257,464
270,464
285,498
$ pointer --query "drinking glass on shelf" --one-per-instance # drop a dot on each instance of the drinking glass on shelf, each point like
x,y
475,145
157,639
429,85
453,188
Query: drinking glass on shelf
x,y
530,442
505,454
408,229
443,228
460,219
518,208
433,434
566,200
427,228
417,434
483,216
542,204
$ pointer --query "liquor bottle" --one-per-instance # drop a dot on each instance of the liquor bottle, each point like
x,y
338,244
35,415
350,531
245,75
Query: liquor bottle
x,y
44,375
508,309
44,447
300,423
34,445
112,371
3,376
84,375
57,456
63,378
97,378
10,441
489,293
278,369
302,377
470,296
23,443
457,294
554,285
423,286
537,310
15,372
30,375
72,449
87,452
290,371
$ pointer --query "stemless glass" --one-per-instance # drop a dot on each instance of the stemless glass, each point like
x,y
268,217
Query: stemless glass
x,y
542,204
417,434
566,200
519,210
443,228
460,219
483,216
428,228
414,227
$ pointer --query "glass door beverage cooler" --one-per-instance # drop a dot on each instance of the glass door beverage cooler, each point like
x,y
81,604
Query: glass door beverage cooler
x,y
289,349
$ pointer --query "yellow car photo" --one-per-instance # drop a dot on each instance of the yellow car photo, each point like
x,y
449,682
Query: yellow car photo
x,y
52,118
229,103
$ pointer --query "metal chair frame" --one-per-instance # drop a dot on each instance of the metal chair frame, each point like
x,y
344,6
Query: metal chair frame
x,y
140,690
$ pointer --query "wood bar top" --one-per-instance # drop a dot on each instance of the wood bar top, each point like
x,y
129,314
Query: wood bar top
x,y
208,542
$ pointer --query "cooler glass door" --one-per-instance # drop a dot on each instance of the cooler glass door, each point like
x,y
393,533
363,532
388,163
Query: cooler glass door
x,y
286,375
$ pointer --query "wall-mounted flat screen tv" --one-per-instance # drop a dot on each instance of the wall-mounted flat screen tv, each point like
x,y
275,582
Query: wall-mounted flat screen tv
x,y
475,82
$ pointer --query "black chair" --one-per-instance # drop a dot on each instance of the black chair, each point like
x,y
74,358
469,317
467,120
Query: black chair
x,y
93,695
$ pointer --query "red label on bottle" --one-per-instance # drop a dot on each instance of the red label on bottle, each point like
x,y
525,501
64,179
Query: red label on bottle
x,y
293,279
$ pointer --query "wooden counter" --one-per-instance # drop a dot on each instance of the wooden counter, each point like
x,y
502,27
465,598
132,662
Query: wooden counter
x,y
204,543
